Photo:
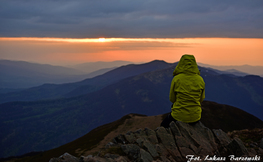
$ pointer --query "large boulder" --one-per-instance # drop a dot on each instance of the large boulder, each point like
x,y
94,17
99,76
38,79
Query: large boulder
x,y
181,142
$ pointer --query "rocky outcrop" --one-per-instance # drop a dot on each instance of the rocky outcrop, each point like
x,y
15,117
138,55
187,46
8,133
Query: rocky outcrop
x,y
181,142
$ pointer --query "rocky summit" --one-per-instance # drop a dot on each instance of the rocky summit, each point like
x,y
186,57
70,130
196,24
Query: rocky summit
x,y
180,143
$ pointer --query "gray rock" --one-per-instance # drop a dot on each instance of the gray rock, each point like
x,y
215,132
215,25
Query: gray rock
x,y
221,137
139,133
121,159
168,145
66,157
86,159
54,160
110,144
119,139
185,147
236,147
164,159
96,159
148,146
151,135
260,151
131,150
200,139
130,137
145,156
166,139
111,156
139,141
261,143
188,133
175,130
223,140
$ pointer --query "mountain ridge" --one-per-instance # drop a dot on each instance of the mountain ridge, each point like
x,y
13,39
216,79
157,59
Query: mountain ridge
x,y
24,74
94,66
49,91
84,86
247,69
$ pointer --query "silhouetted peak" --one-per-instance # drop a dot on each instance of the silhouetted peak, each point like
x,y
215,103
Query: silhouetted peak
x,y
158,61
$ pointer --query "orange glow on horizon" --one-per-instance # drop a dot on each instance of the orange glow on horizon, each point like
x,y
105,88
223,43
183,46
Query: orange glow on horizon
x,y
102,39
84,40
216,51
90,40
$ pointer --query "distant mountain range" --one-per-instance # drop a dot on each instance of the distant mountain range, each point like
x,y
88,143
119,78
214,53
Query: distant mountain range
x,y
21,74
40,125
52,91
223,87
94,66
240,70
17,75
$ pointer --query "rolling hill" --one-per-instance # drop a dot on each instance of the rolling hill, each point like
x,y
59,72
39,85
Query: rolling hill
x,y
41,125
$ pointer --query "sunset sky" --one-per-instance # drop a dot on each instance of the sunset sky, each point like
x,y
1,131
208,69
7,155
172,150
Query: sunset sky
x,y
64,32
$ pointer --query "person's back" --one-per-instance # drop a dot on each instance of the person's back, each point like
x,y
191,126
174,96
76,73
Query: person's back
x,y
187,91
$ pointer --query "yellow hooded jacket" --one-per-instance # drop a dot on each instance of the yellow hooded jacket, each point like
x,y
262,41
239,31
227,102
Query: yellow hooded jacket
x,y
187,90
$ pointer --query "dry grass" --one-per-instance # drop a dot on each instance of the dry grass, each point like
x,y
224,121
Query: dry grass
x,y
250,138
95,140
132,124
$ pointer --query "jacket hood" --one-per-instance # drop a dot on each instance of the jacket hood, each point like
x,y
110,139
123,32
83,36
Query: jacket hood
x,y
187,65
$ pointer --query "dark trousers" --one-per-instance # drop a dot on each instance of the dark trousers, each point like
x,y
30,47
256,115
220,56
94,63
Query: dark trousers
x,y
168,119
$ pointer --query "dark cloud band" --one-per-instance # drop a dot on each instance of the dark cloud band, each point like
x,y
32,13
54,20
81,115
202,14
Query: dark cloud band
x,y
136,18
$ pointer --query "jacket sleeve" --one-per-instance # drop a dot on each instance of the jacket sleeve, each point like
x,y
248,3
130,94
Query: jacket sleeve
x,y
172,95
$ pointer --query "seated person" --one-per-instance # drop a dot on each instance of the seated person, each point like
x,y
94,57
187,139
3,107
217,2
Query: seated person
x,y
186,93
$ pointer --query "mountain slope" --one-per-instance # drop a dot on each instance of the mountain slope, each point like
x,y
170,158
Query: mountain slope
x,y
21,74
51,91
90,67
92,142
248,69
147,93
243,92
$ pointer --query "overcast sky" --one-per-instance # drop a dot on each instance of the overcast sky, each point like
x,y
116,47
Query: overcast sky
x,y
131,18
222,30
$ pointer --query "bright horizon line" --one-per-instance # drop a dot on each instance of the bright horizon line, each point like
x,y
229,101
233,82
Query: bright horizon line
x,y
125,61
105,39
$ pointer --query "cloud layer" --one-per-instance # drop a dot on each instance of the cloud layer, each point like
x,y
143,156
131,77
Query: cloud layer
x,y
131,18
